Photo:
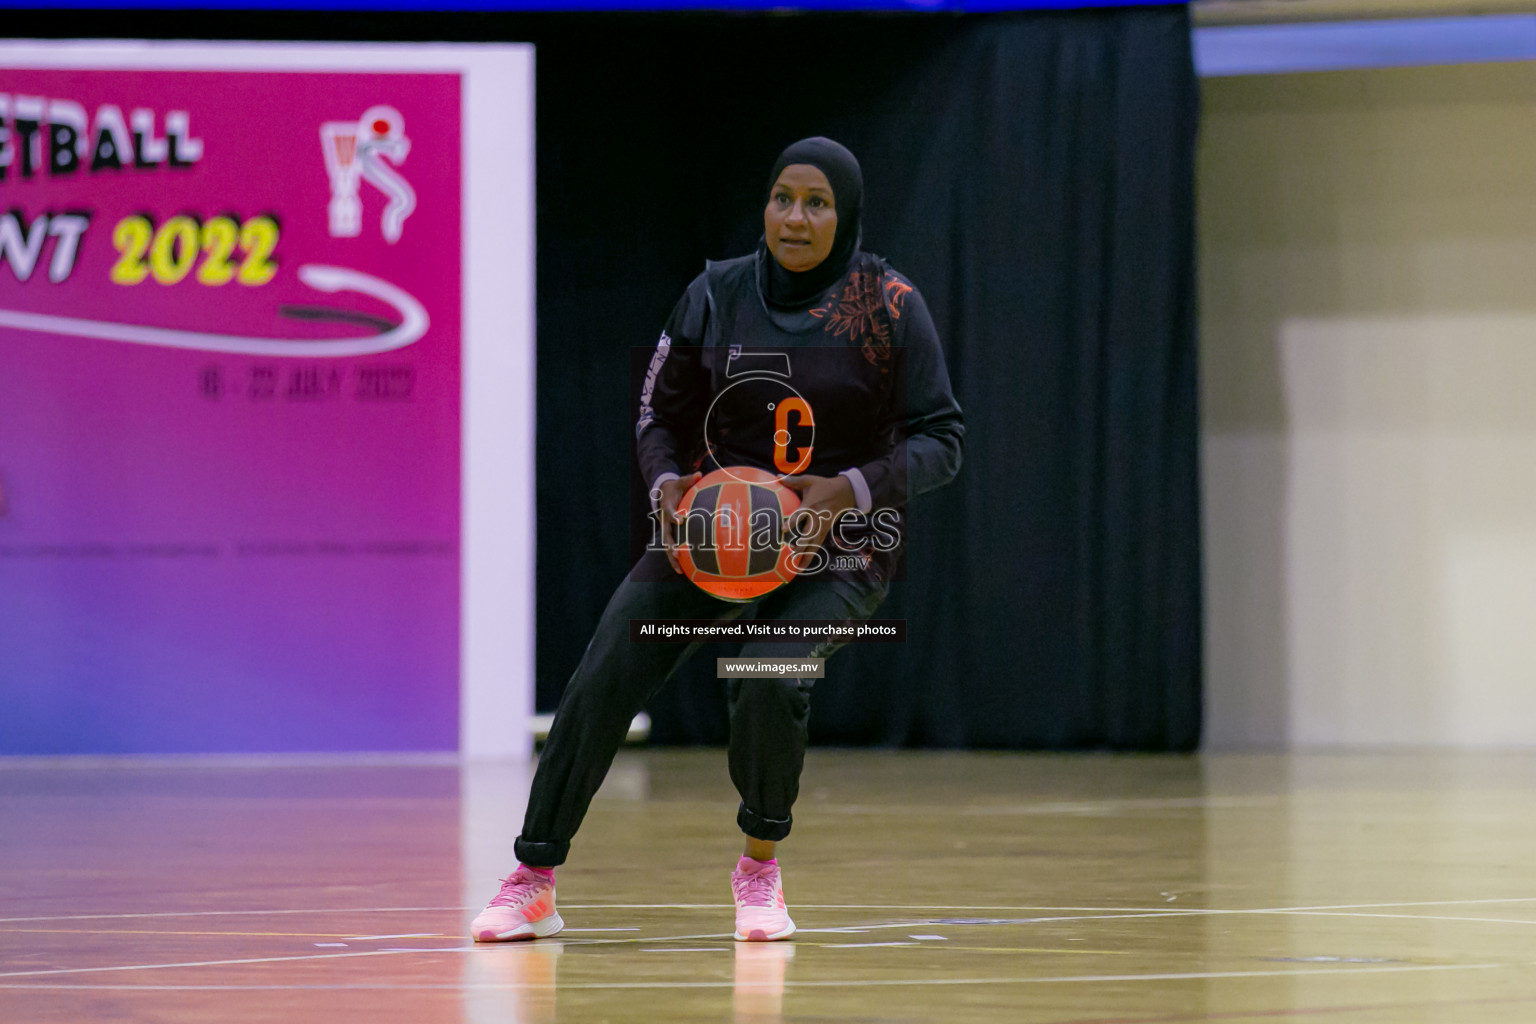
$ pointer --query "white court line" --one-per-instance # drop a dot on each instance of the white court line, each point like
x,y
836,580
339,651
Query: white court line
x,y
1164,910
403,935
722,935
631,940
604,906
614,941
1107,912
644,906
719,935
570,906
860,929
878,906
1374,906
231,913
335,956
1076,807
1404,917
798,906
1169,911
1065,979
1062,807
207,963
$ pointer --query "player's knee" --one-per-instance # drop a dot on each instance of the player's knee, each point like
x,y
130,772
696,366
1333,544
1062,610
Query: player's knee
x,y
771,696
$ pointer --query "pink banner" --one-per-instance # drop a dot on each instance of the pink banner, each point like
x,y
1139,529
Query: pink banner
x,y
230,328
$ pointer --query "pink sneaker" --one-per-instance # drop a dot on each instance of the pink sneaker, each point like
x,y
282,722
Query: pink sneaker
x,y
760,912
524,909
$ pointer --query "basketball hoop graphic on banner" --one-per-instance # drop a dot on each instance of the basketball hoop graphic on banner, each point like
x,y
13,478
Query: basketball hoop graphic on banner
x,y
356,151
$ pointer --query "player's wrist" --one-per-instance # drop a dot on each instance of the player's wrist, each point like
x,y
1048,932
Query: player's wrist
x,y
862,499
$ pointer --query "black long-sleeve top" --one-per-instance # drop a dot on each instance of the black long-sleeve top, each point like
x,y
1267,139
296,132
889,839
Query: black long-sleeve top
x,y
854,384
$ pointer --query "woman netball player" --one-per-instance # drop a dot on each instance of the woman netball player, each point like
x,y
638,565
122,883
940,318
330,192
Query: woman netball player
x,y
810,317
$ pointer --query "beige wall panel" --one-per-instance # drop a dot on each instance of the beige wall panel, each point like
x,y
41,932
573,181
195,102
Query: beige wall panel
x,y
1368,288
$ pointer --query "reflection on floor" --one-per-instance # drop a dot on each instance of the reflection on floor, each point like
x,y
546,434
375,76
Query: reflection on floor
x,y
926,886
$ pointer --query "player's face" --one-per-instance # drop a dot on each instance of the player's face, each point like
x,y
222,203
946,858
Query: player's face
x,y
800,220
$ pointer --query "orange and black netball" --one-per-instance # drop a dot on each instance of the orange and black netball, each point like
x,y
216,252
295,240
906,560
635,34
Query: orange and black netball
x,y
732,541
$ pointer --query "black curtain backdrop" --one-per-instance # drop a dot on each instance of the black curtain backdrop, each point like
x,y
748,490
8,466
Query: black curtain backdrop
x,y
1033,175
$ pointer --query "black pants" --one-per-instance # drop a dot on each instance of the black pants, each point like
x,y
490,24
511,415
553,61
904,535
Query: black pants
x,y
616,678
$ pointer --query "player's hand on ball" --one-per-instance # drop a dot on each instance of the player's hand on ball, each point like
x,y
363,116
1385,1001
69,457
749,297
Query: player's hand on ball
x,y
822,500
671,493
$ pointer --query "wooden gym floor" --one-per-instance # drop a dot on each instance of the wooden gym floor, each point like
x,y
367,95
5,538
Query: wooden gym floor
x,y
927,887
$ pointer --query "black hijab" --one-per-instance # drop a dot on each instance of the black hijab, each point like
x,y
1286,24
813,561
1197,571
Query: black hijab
x,y
789,289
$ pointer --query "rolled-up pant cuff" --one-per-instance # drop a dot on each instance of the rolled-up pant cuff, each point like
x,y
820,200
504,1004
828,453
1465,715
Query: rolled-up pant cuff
x,y
769,830
541,855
